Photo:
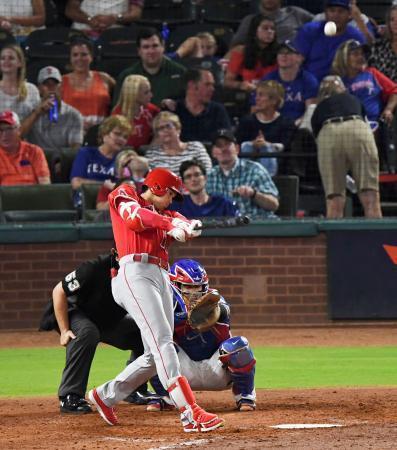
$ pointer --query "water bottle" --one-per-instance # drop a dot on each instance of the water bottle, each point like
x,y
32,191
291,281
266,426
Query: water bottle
x,y
165,31
53,112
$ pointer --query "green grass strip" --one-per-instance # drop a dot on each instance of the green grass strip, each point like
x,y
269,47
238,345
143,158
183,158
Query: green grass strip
x,y
37,371
319,367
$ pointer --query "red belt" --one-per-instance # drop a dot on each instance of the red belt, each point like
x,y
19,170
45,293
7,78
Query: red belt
x,y
150,260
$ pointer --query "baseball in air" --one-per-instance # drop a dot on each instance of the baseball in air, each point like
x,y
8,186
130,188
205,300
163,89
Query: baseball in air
x,y
330,29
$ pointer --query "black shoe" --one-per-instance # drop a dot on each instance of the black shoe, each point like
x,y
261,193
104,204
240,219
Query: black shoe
x,y
73,404
140,398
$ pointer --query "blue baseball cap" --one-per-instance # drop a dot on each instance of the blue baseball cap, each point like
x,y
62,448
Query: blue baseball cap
x,y
289,45
341,3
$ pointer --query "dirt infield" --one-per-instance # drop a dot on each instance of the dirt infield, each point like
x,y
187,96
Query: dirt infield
x,y
368,417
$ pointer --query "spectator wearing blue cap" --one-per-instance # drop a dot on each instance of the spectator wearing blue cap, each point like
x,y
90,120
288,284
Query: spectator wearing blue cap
x,y
318,49
300,86
367,25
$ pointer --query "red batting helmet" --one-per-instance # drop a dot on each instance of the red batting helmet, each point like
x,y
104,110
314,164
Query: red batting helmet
x,y
160,179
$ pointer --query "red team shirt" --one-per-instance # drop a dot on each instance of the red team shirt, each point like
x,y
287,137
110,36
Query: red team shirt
x,y
153,240
142,132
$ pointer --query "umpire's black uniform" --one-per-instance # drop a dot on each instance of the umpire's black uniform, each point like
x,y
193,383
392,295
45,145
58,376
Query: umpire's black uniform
x,y
94,317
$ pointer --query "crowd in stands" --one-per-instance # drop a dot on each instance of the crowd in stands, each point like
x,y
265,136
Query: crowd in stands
x,y
289,82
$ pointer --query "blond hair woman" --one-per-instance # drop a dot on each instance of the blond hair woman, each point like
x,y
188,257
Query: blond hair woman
x,y
169,151
134,104
16,94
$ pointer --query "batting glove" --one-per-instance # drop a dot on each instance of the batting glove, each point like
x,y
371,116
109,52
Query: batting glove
x,y
193,228
178,234
181,224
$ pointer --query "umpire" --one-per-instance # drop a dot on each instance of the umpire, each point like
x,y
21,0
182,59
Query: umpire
x,y
84,312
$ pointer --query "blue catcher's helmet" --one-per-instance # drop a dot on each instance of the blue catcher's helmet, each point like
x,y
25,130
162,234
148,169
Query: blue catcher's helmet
x,y
188,273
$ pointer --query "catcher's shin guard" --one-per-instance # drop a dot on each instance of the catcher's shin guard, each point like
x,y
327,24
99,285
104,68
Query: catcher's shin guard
x,y
193,417
236,355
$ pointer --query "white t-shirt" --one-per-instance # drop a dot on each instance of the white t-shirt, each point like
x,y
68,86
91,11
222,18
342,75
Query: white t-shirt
x,y
21,8
22,107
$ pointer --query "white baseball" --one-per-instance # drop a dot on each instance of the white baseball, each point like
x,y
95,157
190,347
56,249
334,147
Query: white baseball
x,y
330,29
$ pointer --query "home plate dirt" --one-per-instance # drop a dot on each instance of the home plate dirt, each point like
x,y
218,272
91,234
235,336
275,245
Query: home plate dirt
x,y
299,426
368,416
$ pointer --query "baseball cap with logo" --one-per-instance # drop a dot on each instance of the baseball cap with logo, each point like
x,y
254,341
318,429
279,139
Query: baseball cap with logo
x,y
342,3
288,45
49,72
10,118
225,134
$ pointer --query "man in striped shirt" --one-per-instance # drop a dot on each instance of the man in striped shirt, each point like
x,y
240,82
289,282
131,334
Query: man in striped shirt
x,y
245,180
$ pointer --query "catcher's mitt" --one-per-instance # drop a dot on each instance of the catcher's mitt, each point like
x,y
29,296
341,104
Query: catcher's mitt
x,y
203,314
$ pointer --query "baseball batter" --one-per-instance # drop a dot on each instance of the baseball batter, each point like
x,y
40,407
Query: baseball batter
x,y
143,229
211,359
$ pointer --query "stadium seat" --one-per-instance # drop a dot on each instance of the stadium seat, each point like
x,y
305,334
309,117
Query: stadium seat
x,y
66,159
235,101
172,12
375,8
91,137
118,42
114,66
315,7
89,194
38,203
207,63
229,12
6,38
313,205
222,33
49,43
288,188
116,49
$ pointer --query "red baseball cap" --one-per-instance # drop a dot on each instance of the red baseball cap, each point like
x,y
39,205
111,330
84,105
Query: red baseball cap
x,y
159,179
9,117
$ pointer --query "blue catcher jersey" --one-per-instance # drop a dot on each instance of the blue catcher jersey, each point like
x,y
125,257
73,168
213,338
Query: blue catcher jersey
x,y
199,346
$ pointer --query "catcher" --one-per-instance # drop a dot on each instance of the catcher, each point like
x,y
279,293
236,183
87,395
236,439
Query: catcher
x,y
210,358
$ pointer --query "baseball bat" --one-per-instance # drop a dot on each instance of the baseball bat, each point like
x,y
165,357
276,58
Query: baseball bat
x,y
229,222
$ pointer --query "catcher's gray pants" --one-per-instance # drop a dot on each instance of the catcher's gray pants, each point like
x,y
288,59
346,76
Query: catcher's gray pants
x,y
80,351
205,375
144,290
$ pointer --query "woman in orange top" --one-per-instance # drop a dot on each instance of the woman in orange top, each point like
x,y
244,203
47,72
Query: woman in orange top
x,y
87,90
250,63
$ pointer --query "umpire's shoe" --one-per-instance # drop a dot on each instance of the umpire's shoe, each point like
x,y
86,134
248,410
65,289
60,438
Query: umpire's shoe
x,y
73,404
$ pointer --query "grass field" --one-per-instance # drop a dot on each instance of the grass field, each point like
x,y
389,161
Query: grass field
x,y
37,371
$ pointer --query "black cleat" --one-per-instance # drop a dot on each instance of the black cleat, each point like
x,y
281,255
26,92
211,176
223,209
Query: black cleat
x,y
73,404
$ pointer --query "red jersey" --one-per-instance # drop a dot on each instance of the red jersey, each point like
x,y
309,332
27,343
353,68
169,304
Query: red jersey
x,y
149,235
141,125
